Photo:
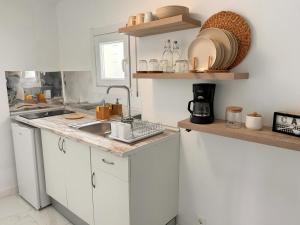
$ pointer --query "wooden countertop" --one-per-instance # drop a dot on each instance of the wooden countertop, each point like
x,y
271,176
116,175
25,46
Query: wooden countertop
x,y
60,126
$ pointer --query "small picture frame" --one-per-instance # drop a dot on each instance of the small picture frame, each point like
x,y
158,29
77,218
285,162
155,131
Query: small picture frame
x,y
286,123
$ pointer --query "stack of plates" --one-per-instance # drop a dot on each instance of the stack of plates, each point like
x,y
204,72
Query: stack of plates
x,y
213,49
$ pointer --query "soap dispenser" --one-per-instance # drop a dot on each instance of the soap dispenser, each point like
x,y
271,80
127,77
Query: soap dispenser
x,y
117,108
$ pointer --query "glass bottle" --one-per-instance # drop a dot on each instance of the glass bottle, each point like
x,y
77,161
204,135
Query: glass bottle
x,y
168,55
176,53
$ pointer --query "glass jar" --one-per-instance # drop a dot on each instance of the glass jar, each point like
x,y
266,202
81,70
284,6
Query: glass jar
x,y
142,66
181,66
234,116
153,65
163,65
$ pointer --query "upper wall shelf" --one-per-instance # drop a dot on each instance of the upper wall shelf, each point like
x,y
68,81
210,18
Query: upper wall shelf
x,y
202,76
175,23
265,136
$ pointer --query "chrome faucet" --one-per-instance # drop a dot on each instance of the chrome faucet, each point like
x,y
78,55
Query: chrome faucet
x,y
129,119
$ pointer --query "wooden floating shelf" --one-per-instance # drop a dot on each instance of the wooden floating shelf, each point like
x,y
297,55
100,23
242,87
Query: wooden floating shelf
x,y
265,136
175,23
202,76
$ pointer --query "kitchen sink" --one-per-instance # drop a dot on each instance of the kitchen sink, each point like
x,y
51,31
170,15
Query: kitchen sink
x,y
87,106
97,128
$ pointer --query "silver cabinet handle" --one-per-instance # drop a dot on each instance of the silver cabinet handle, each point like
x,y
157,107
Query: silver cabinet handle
x,y
58,144
107,162
93,180
62,146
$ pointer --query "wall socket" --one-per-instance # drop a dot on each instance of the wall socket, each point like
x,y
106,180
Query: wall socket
x,y
202,221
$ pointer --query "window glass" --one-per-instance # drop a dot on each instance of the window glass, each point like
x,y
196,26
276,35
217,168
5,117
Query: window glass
x,y
30,75
111,60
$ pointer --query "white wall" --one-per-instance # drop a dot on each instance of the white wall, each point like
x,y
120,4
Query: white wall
x,y
226,181
28,41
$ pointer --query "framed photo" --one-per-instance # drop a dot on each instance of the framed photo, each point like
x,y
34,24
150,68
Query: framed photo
x,y
286,123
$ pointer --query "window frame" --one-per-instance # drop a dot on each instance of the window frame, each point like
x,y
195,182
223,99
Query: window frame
x,y
110,34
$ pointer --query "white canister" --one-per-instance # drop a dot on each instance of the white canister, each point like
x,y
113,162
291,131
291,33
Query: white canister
x,y
254,121
124,130
114,129
148,17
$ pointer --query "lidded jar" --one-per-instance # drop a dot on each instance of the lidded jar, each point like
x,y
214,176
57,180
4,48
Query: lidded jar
x,y
234,116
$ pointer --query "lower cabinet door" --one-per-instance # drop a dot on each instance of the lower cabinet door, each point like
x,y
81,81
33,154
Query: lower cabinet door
x,y
54,164
78,180
111,199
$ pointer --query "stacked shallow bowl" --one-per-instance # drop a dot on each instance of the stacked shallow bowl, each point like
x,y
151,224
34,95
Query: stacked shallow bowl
x,y
213,49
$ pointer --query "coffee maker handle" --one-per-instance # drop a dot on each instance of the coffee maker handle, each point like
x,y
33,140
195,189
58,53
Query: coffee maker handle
x,y
189,106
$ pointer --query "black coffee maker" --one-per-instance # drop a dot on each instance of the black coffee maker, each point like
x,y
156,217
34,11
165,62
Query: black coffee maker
x,y
203,103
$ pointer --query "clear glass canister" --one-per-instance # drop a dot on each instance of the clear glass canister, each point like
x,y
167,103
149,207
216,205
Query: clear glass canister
x,y
234,116
153,65
181,66
142,66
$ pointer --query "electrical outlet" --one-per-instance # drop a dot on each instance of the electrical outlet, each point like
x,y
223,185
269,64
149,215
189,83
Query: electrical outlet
x,y
202,221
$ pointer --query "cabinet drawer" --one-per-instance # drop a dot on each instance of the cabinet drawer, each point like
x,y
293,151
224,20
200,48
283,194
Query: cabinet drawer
x,y
109,163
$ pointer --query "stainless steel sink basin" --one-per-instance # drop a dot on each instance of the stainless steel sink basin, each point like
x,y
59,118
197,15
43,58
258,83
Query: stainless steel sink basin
x,y
87,106
97,128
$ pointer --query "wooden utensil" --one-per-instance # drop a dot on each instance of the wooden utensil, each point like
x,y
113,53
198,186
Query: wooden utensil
x,y
21,105
193,70
74,116
209,62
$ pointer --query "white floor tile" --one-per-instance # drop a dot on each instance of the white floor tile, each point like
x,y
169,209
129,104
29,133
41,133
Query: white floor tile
x,y
15,211
18,220
13,205
48,216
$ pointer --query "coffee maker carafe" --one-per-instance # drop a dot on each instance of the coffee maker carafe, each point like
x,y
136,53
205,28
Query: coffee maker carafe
x,y
203,103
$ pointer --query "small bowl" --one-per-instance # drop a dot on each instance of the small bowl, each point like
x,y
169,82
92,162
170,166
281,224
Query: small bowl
x,y
171,10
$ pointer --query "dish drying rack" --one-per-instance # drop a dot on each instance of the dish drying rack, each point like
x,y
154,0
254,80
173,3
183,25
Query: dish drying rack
x,y
141,130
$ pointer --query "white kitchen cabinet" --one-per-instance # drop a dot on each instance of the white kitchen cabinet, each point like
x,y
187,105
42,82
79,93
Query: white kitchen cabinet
x,y
111,189
54,164
78,179
68,174
104,189
111,199
140,189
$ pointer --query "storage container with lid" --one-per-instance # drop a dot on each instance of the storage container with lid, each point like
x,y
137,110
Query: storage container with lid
x,y
254,121
234,116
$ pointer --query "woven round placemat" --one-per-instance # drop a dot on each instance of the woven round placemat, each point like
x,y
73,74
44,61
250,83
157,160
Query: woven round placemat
x,y
238,26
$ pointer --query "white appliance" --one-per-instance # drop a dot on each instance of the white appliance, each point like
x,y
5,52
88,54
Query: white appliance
x,y
29,165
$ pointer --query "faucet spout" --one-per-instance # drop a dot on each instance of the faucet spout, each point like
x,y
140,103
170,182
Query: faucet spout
x,y
128,96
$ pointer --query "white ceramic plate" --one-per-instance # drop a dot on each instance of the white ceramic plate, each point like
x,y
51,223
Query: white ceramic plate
x,y
220,36
201,49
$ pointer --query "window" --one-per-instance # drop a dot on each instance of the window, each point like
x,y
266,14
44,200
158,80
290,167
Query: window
x,y
30,79
112,61
30,75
